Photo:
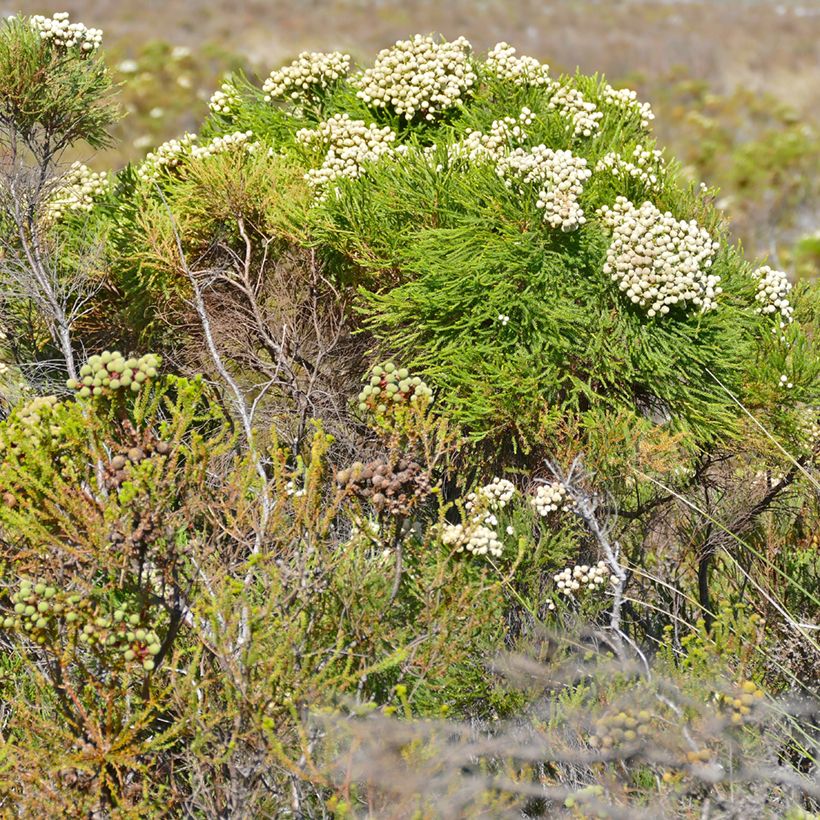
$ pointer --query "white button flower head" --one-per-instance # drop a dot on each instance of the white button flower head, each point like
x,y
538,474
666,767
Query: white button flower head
x,y
504,135
310,74
560,175
78,190
225,101
573,106
581,578
503,62
475,538
166,157
237,141
348,144
64,35
550,498
773,289
419,77
658,261
645,166
627,100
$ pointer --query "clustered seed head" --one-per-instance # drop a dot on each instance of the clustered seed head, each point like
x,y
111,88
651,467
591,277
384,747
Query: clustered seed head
x,y
572,105
239,140
419,77
627,100
39,610
109,372
169,155
65,35
644,165
311,73
349,144
115,472
395,489
78,190
503,136
389,386
745,697
225,101
620,729
773,287
503,63
560,175
549,498
658,261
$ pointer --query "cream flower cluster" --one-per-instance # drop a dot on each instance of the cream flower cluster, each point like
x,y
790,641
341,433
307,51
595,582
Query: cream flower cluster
x,y
419,77
308,75
475,538
166,157
488,500
349,144
627,100
773,288
225,101
503,62
222,145
644,165
582,577
503,135
658,261
64,34
79,189
571,104
561,176
478,535
549,498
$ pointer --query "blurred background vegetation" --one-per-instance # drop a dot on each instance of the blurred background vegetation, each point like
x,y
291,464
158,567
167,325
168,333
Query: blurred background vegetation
x,y
735,84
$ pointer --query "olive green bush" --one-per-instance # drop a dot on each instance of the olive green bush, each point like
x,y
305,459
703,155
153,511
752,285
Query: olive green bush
x,y
465,435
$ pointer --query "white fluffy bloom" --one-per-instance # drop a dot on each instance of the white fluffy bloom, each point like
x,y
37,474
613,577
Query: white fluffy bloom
x,y
62,33
308,75
167,156
581,578
475,538
348,145
773,288
493,496
225,101
644,165
503,136
503,62
627,100
419,77
549,498
225,143
658,261
78,190
560,175
573,106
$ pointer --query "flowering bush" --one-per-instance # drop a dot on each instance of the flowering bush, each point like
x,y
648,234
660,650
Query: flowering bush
x,y
212,554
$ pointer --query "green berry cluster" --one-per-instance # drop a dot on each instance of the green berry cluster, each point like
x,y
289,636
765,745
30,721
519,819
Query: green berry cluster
x,y
35,608
39,609
110,371
621,728
33,422
742,701
389,385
